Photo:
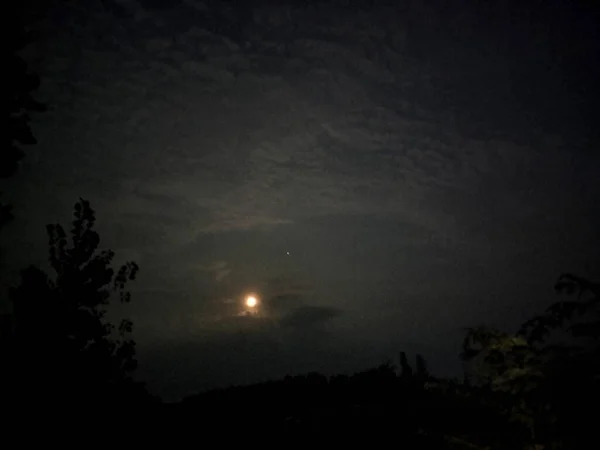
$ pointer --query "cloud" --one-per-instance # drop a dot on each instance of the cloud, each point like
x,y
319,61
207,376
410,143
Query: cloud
x,y
290,147
285,301
309,317
222,273
247,148
219,269
189,143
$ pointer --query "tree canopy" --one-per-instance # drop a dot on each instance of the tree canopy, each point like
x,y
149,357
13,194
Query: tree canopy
x,y
547,373
62,339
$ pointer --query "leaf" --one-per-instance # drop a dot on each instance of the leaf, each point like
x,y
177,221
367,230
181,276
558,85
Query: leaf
x,y
585,329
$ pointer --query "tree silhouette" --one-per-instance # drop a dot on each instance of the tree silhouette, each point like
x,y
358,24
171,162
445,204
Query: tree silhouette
x,y
422,371
62,340
19,85
543,374
406,371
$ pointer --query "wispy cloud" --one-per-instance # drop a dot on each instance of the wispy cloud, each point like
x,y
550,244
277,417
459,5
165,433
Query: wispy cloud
x,y
181,133
174,128
309,317
219,269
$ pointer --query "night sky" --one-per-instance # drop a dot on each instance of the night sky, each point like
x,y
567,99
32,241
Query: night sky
x,y
380,177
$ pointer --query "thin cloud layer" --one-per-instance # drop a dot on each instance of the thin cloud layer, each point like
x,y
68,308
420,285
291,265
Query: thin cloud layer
x,y
171,115
389,153
218,269
309,317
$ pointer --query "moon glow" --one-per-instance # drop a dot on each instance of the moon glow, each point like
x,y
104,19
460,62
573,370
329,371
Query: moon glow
x,y
251,301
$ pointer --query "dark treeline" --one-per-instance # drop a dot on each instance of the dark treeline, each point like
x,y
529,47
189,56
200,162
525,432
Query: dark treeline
x,y
418,410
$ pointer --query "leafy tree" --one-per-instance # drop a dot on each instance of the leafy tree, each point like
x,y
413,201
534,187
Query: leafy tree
x,y
542,375
62,340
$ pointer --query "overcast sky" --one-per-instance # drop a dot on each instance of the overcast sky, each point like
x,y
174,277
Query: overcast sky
x,y
379,178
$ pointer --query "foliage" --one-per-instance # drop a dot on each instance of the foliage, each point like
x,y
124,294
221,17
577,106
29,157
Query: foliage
x,y
538,379
62,335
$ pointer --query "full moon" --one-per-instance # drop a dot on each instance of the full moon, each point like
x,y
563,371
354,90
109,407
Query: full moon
x,y
251,301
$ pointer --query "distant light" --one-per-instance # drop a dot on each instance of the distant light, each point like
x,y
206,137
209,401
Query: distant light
x,y
251,301
287,253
